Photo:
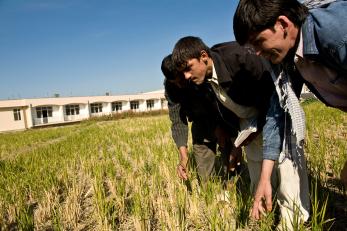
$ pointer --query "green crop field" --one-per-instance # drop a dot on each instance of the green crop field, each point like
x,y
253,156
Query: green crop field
x,y
121,175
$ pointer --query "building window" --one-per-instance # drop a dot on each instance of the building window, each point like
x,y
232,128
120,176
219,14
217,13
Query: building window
x,y
96,107
73,109
16,114
116,106
44,112
150,104
134,105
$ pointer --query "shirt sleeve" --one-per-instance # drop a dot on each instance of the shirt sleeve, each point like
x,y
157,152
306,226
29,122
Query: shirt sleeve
x,y
179,123
179,126
273,130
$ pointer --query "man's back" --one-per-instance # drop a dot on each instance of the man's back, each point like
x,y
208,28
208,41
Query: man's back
x,y
242,75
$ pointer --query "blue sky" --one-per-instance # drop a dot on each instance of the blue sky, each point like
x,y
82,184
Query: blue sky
x,y
90,47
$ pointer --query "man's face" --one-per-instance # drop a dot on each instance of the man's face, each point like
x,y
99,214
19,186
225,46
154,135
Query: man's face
x,y
195,70
272,44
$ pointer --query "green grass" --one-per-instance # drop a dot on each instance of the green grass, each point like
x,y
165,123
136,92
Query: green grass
x,y
121,175
326,152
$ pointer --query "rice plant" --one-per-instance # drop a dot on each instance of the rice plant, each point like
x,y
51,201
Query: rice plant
x,y
121,175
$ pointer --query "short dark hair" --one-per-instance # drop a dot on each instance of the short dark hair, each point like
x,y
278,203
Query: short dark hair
x,y
254,16
171,73
168,68
186,48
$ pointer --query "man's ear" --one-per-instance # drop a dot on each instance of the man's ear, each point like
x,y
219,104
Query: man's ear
x,y
204,56
283,24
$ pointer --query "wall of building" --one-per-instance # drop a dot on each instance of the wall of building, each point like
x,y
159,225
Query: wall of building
x,y
29,108
157,104
85,111
142,105
28,120
125,106
7,120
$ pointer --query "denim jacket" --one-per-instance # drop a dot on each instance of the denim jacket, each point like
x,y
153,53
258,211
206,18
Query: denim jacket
x,y
325,35
325,41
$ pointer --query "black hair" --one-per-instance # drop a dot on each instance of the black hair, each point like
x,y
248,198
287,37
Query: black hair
x,y
171,73
168,68
187,48
254,16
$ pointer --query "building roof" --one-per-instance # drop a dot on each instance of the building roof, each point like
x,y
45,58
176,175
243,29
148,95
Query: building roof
x,y
80,100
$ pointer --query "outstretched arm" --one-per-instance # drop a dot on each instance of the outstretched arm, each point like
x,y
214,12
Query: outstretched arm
x,y
272,142
179,131
182,169
263,196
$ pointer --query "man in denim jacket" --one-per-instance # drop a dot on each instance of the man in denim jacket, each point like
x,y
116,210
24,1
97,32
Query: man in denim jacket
x,y
313,43
310,45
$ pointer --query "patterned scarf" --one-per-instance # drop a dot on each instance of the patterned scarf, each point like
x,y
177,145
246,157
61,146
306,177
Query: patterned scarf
x,y
290,104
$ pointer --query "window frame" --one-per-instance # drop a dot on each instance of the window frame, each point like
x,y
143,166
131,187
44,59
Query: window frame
x,y
72,109
16,114
150,104
39,111
96,108
134,105
117,106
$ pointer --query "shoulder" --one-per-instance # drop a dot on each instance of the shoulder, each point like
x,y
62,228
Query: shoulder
x,y
229,50
240,58
172,92
325,32
329,24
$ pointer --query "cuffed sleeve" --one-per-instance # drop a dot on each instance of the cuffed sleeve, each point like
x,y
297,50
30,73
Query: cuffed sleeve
x,y
273,130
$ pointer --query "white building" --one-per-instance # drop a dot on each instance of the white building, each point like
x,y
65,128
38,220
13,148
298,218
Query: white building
x,y
27,113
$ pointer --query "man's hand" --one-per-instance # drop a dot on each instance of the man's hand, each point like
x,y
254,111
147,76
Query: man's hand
x,y
235,158
263,195
226,145
182,170
262,200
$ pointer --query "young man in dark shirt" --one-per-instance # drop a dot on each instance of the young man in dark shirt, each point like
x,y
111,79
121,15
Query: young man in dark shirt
x,y
189,102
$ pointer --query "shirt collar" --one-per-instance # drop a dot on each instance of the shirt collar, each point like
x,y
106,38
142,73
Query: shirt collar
x,y
214,73
214,77
218,66
299,51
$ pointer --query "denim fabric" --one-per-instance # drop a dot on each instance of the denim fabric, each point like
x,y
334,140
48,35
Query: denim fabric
x,y
311,4
273,130
325,36
325,42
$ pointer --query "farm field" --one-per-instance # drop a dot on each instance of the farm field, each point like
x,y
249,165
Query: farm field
x,y
121,175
